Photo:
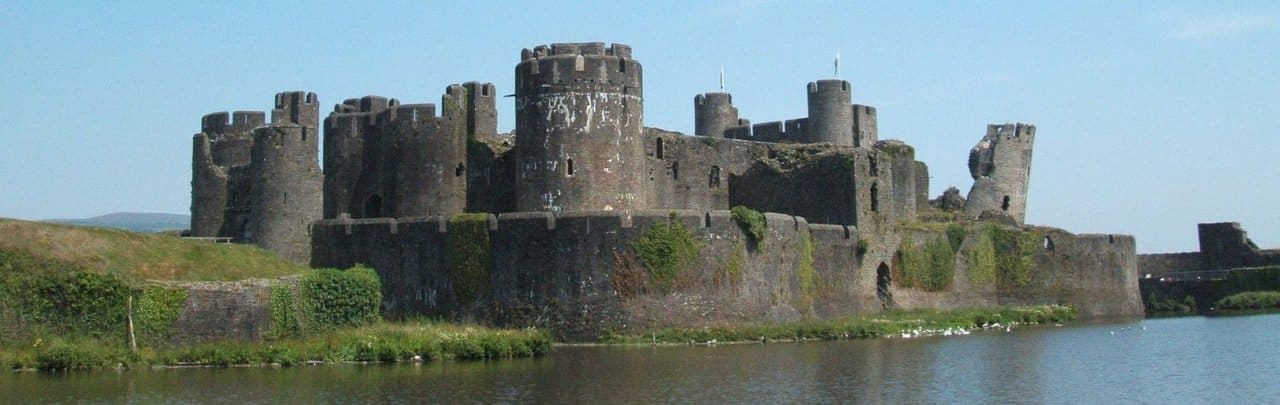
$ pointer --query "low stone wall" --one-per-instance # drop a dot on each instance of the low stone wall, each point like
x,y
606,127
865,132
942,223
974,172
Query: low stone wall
x,y
578,274
221,311
1164,263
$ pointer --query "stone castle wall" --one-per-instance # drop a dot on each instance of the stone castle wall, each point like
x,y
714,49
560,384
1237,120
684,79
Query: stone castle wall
x,y
577,274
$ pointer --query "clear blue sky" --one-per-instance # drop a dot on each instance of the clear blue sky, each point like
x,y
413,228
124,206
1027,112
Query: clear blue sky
x,y
1151,117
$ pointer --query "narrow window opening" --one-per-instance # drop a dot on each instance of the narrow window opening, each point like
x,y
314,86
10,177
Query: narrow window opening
x,y
1048,243
872,167
713,180
675,170
286,198
1111,239
460,169
1004,206
875,197
659,148
569,166
706,220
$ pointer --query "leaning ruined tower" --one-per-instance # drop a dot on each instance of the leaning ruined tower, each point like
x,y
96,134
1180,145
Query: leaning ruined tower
x,y
579,126
1001,168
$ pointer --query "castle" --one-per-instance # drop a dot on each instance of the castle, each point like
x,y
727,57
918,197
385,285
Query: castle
x,y
566,197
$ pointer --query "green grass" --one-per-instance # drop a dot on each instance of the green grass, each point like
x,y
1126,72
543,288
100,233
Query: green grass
x,y
139,256
380,342
894,323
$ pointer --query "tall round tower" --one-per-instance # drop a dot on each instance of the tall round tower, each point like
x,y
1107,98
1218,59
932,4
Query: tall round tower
x,y
712,113
579,126
830,112
286,179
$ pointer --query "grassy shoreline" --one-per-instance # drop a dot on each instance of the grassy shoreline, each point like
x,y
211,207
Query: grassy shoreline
x,y
888,324
384,342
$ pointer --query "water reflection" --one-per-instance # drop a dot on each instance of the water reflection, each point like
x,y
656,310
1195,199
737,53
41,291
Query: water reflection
x,y
1181,360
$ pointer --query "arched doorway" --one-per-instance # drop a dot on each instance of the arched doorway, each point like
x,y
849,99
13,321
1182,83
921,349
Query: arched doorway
x,y
883,280
373,207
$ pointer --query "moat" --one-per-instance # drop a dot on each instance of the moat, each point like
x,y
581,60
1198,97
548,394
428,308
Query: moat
x,y
1190,359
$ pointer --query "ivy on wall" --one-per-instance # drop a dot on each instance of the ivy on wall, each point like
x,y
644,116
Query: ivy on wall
x,y
665,249
468,256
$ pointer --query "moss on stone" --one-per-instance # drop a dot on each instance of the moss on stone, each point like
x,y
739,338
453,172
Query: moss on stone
x,y
751,221
284,314
665,249
1015,255
955,235
806,275
731,271
468,256
929,267
981,259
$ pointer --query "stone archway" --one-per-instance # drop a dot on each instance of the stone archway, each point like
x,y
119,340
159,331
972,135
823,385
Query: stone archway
x,y
884,278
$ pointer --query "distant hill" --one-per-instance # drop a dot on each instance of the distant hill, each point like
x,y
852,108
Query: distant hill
x,y
133,221
138,255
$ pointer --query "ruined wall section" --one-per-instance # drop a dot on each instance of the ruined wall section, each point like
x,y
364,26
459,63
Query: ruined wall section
x,y
577,273
1001,168
839,185
579,123
688,172
901,160
428,161
1226,245
865,127
385,159
220,154
354,155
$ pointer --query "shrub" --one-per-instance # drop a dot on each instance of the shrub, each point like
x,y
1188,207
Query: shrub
x,y
981,260
335,298
156,310
284,319
468,256
751,221
664,249
1250,300
861,249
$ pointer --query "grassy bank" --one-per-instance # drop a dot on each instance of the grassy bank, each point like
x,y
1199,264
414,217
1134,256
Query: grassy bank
x,y
140,256
381,342
888,324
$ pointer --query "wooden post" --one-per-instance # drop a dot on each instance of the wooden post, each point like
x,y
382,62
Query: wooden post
x,y
133,341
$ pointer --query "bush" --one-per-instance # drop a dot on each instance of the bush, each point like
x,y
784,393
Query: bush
x,y
468,256
751,221
156,310
664,249
980,263
333,298
1250,300
284,314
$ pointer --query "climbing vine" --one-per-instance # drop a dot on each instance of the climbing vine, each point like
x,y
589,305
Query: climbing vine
x,y
468,256
665,249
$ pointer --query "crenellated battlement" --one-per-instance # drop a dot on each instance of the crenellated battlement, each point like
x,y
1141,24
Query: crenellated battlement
x,y
238,121
298,107
1018,132
574,49
825,85
577,67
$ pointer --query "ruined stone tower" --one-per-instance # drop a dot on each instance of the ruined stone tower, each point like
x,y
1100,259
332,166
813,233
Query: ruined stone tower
x,y
1001,168
386,159
219,167
830,112
256,182
285,178
713,113
579,126
865,133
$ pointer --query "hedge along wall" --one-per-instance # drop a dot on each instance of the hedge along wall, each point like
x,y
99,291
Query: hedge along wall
x,y
40,299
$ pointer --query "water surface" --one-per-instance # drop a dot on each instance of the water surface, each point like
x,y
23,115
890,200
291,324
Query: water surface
x,y
1180,360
